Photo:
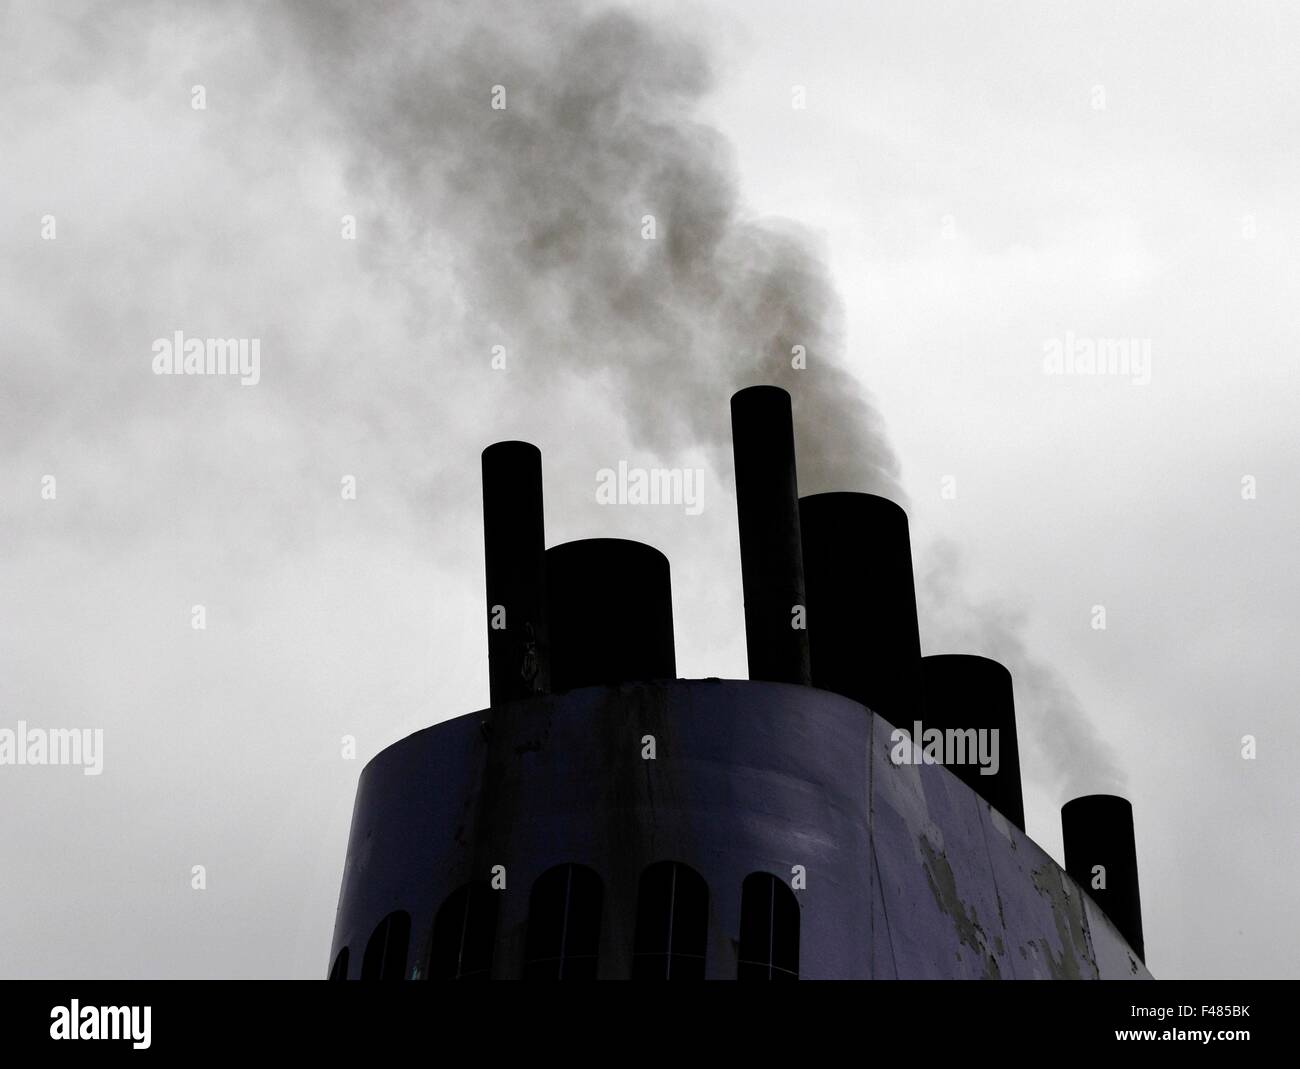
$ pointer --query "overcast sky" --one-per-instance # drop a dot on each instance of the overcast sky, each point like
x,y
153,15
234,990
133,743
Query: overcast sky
x,y
965,185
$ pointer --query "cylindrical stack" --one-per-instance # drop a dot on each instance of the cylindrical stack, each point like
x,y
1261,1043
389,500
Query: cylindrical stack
x,y
767,508
514,544
963,692
610,610
1101,856
862,630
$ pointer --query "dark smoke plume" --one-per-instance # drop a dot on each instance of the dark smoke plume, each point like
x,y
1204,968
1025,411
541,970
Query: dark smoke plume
x,y
539,209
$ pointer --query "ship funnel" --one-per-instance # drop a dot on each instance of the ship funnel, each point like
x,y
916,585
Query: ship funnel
x,y
514,543
862,629
1101,857
771,561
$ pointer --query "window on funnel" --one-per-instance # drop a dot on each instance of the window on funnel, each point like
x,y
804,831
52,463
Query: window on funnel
x,y
564,924
672,923
769,929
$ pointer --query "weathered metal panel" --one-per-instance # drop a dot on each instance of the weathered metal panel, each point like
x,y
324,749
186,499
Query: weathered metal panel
x,y
1046,933
920,932
960,874
941,905
909,873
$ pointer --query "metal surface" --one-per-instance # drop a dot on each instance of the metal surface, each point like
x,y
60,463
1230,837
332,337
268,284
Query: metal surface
x,y
964,692
908,872
862,628
610,613
767,510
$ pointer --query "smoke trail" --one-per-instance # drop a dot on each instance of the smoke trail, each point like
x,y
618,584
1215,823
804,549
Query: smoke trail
x,y
543,207
1079,760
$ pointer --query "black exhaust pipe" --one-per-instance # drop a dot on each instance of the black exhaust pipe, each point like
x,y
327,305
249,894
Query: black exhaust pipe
x,y
771,559
514,544
610,610
862,629
1101,857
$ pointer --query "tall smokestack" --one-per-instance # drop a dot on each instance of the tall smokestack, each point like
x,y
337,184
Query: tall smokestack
x,y
862,630
771,560
610,609
962,691
1099,847
514,546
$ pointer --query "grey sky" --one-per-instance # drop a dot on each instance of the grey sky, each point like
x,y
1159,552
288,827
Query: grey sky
x,y
969,202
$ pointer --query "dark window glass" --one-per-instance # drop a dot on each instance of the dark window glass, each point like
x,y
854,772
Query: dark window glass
x,y
464,934
385,957
340,970
563,925
769,929
672,923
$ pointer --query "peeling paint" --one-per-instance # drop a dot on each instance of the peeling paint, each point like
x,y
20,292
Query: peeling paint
x,y
943,885
1069,926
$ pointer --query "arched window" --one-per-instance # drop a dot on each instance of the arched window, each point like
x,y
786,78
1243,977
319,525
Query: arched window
x,y
340,970
672,923
769,929
563,924
464,934
385,957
